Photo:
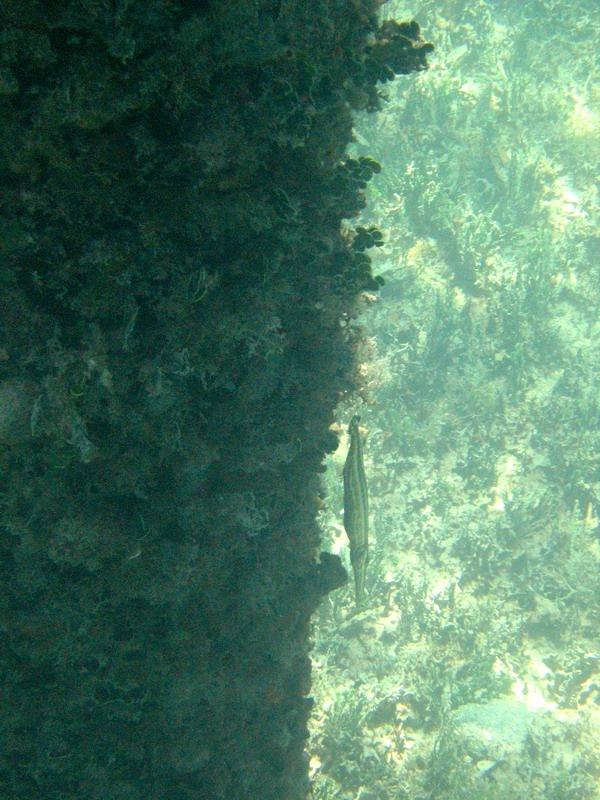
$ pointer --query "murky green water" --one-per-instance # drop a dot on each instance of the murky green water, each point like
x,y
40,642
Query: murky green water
x,y
473,671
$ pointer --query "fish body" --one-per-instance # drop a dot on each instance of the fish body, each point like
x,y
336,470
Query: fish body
x,y
356,508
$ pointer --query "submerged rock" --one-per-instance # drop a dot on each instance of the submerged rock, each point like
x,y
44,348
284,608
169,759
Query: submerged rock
x,y
492,730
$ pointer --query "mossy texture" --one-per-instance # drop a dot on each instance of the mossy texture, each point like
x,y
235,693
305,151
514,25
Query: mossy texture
x,y
174,298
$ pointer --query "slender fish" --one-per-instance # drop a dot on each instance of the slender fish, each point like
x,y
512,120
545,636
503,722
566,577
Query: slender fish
x,y
356,509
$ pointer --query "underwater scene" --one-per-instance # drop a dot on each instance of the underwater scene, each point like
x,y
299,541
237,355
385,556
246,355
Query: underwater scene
x,y
462,659
299,400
